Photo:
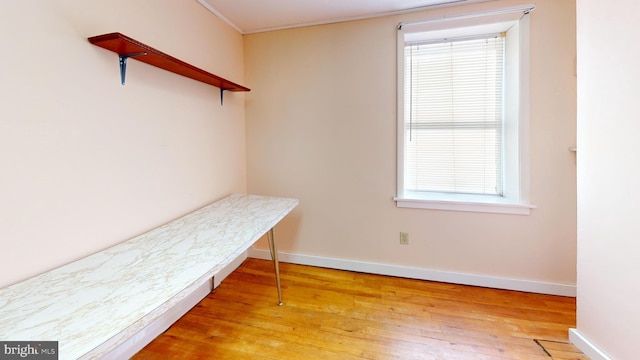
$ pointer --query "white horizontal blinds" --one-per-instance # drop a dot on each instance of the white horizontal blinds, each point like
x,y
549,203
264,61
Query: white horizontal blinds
x,y
453,116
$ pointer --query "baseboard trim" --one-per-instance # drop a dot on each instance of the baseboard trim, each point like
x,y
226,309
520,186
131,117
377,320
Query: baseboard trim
x,y
140,339
143,337
586,346
227,270
422,274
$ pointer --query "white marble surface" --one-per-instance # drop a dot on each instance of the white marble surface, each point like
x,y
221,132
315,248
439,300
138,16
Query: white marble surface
x,y
92,305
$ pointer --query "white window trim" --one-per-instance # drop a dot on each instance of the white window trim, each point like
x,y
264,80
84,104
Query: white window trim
x,y
464,202
516,199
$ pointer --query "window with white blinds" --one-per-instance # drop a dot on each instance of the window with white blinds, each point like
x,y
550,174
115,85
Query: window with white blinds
x,y
453,115
463,112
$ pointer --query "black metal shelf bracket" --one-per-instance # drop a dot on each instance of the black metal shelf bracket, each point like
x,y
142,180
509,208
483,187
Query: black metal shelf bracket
x,y
222,96
123,64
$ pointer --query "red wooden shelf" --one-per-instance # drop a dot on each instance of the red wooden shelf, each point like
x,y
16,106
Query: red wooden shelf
x,y
126,47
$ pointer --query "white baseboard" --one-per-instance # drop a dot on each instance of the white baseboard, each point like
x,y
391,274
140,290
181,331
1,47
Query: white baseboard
x,y
586,346
422,274
222,274
153,330
140,339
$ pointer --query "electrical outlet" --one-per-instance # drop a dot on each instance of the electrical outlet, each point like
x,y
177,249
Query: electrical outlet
x,y
404,238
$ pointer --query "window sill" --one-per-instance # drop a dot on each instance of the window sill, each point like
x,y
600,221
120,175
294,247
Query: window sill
x,y
463,202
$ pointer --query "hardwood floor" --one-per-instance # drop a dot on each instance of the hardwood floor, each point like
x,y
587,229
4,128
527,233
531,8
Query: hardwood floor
x,y
332,314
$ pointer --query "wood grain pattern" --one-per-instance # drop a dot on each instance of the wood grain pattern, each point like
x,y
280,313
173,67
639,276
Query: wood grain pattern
x,y
124,45
332,314
561,350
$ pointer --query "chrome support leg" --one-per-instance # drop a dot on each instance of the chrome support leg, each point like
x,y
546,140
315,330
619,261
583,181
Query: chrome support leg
x,y
274,255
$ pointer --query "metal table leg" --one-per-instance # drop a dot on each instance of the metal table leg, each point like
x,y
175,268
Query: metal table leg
x,y
271,237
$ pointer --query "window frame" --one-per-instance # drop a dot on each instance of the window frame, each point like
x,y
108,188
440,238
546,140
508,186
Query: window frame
x,y
515,200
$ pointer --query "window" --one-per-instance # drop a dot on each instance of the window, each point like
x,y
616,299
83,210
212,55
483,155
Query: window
x,y
463,113
453,115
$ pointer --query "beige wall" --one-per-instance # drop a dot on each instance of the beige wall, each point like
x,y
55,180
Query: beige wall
x,y
87,163
321,126
608,171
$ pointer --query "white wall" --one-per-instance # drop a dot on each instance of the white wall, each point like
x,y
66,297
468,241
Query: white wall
x,y
608,170
87,163
321,127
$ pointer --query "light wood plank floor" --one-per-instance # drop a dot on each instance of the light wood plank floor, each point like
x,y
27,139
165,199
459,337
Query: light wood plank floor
x,y
332,314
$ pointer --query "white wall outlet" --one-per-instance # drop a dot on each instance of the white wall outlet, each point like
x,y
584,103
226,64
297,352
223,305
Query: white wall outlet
x,y
404,238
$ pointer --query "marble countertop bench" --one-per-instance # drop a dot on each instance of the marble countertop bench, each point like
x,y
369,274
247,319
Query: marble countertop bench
x,y
94,304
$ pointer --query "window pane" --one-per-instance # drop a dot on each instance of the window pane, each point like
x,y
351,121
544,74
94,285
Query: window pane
x,y
453,116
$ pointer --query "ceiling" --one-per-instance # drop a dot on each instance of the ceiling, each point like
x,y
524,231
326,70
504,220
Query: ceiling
x,y
251,16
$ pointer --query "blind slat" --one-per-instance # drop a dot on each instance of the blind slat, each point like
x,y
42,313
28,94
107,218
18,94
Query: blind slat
x,y
453,116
